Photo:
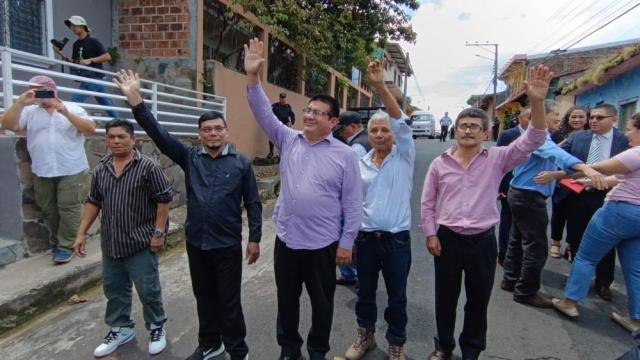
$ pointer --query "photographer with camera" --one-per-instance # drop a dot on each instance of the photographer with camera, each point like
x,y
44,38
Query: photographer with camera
x,y
55,139
87,51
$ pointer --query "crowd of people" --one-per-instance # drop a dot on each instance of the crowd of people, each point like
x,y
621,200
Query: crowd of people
x,y
340,195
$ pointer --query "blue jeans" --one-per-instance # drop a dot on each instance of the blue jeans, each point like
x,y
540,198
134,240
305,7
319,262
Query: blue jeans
x,y
390,253
613,225
80,98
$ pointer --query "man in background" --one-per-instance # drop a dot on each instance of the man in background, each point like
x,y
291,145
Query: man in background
x,y
445,123
283,111
87,51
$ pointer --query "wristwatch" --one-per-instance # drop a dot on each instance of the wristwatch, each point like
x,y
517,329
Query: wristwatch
x,y
158,233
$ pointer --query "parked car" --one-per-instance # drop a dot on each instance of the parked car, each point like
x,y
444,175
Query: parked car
x,y
423,124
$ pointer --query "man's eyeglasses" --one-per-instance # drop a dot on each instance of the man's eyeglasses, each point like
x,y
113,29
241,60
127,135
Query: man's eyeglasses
x,y
471,127
217,129
314,113
599,117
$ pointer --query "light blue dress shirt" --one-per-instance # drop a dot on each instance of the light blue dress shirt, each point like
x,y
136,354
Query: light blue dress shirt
x,y
548,157
387,190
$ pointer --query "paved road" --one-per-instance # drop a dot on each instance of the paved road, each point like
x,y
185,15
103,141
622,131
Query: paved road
x,y
515,331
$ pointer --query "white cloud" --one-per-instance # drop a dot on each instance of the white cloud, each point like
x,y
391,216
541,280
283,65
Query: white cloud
x,y
448,72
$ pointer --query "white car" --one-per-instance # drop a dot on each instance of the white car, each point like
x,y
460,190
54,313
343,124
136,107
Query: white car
x,y
423,124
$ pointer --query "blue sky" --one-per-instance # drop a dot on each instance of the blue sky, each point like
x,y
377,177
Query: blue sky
x,y
448,72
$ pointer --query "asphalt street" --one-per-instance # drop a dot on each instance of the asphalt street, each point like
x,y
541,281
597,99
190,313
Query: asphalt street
x,y
515,331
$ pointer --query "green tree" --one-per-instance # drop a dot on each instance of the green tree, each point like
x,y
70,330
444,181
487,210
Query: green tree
x,y
340,33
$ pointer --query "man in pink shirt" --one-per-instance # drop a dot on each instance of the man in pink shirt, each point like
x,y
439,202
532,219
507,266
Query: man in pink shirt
x,y
459,200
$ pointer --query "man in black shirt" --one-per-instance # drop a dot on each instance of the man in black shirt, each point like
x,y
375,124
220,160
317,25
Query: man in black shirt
x,y
87,51
218,181
284,113
133,195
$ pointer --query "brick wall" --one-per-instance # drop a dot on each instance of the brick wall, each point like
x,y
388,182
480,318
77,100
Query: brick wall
x,y
154,28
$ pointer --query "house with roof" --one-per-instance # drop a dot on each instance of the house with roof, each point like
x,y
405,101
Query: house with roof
x,y
567,66
614,80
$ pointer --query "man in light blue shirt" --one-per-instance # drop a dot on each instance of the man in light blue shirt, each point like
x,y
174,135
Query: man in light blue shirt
x,y
528,247
445,122
383,243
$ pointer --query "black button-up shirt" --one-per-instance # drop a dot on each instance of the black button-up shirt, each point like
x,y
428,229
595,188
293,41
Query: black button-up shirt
x,y
216,188
128,203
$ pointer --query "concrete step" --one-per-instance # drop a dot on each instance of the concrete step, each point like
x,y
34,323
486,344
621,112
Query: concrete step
x,y
34,285
11,251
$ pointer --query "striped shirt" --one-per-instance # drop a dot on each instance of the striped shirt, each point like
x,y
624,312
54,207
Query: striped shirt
x,y
128,203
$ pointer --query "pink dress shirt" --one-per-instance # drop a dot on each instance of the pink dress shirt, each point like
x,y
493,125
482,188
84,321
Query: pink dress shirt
x,y
464,200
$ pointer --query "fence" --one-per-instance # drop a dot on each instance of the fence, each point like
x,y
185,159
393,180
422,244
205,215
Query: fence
x,y
176,108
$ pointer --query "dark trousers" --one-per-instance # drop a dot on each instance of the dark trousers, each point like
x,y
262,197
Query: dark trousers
x,y
528,248
443,132
316,270
390,253
559,214
475,255
583,206
216,276
504,230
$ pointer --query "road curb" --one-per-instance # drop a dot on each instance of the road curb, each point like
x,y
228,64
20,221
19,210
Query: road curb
x,y
57,286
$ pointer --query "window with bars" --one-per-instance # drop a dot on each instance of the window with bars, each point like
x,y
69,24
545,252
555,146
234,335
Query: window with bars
x,y
626,111
22,25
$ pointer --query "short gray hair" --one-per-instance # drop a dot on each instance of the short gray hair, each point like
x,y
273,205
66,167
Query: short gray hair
x,y
379,115
549,105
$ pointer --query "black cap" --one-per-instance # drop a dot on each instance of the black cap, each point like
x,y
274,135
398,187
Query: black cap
x,y
283,95
349,117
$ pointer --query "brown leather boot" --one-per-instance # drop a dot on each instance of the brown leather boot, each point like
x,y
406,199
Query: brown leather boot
x,y
363,342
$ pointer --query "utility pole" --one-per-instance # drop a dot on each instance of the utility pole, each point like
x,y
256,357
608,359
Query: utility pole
x,y
495,70
408,72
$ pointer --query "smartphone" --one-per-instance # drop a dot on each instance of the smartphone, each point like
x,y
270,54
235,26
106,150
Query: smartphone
x,y
378,55
44,94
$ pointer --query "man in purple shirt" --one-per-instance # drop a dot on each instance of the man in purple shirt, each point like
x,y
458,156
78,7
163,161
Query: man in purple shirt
x,y
317,215
459,198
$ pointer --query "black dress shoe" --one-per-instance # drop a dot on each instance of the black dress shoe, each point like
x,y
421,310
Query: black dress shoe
x,y
536,301
289,357
439,355
507,285
604,292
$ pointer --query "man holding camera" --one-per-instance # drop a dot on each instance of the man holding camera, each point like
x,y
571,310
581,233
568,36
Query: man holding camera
x,y
55,140
87,51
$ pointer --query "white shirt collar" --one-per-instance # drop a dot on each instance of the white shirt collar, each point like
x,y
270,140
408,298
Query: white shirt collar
x,y
607,136
354,136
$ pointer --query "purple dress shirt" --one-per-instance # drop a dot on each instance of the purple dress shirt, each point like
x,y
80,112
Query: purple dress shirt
x,y
320,198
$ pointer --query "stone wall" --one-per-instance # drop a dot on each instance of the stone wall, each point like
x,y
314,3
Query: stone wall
x,y
35,235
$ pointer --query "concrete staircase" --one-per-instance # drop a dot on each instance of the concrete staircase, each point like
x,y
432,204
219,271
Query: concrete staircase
x,y
10,251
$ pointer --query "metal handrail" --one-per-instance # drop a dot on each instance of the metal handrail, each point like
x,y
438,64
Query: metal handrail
x,y
181,114
51,61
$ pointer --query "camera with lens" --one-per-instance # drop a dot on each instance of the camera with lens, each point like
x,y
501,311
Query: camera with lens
x,y
59,43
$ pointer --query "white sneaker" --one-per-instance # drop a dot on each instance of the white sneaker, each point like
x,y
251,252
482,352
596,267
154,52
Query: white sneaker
x,y
116,337
157,339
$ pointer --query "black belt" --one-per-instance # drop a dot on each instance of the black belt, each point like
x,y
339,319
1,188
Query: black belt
x,y
378,234
489,231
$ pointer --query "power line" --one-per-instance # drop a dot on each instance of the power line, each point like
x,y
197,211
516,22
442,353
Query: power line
x,y
560,51
604,25
548,42
605,18
565,21
560,10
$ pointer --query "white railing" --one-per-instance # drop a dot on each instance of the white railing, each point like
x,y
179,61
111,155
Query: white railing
x,y
175,108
